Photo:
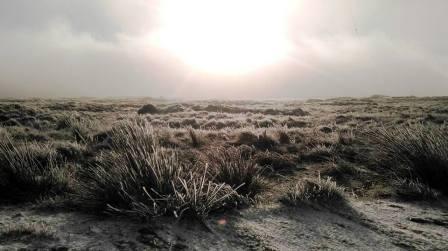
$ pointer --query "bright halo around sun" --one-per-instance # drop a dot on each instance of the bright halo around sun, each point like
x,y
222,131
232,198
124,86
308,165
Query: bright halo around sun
x,y
224,36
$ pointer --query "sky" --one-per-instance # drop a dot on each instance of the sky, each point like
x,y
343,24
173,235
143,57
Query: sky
x,y
223,49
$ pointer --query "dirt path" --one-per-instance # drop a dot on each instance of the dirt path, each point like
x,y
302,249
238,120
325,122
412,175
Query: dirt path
x,y
383,225
413,226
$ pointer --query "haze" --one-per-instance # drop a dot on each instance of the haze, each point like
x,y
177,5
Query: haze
x,y
318,48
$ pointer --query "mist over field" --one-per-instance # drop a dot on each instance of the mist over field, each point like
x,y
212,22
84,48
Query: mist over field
x,y
54,48
223,125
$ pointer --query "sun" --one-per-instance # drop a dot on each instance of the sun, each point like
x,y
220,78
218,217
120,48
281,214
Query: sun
x,y
224,36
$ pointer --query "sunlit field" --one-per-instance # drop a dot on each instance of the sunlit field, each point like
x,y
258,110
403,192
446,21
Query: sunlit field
x,y
130,174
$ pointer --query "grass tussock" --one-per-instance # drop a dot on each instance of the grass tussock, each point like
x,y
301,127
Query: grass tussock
x,y
139,177
81,129
199,196
315,191
318,153
30,171
416,152
3,134
283,137
276,163
26,232
233,166
196,137
416,190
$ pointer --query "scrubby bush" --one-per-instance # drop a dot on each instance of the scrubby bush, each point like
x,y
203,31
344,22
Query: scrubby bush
x,y
318,190
30,171
416,152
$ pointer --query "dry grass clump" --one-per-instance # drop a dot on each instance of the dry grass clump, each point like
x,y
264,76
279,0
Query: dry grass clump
x,y
346,137
82,129
291,123
283,137
416,152
247,138
265,123
318,153
26,232
311,191
139,177
70,151
276,162
416,190
3,134
263,141
30,171
27,134
234,167
196,137
198,195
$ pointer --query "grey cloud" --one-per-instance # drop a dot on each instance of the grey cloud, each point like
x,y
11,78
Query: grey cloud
x,y
102,19
96,48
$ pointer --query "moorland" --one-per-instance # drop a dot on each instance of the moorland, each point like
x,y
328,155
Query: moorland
x,y
134,174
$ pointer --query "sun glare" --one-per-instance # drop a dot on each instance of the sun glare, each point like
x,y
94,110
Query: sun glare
x,y
224,36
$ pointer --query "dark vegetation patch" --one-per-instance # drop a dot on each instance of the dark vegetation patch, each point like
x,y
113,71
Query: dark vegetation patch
x,y
26,233
30,171
275,163
148,109
235,167
232,109
418,153
140,177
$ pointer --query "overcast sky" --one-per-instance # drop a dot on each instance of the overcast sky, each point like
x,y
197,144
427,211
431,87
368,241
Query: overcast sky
x,y
72,48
